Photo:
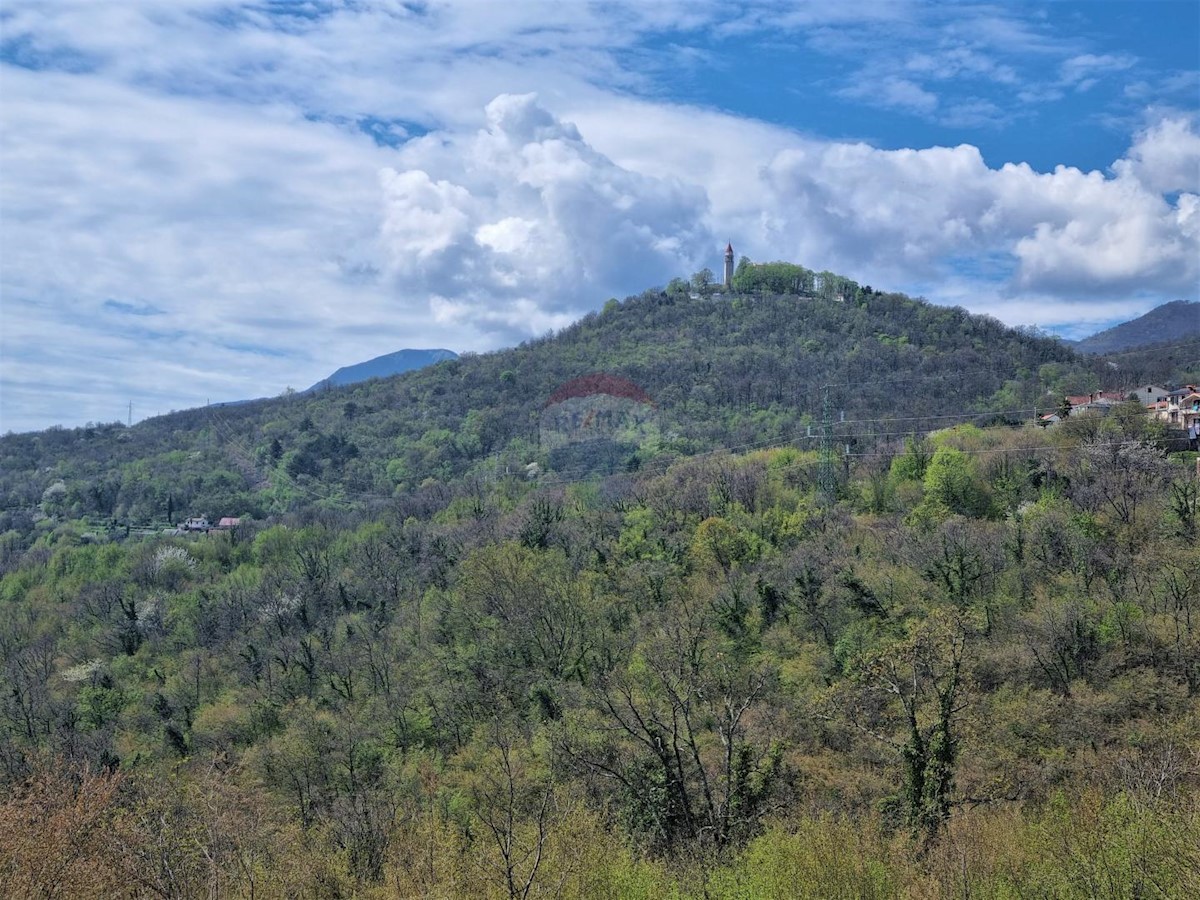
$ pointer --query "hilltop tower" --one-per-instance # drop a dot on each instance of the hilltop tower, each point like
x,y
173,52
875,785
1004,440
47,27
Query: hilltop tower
x,y
728,265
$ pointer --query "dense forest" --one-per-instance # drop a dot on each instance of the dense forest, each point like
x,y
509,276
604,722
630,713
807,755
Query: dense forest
x,y
749,369
702,655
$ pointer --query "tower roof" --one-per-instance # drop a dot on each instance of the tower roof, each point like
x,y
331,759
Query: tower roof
x,y
729,247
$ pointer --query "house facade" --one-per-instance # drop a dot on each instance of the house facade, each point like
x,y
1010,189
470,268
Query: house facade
x,y
1180,408
1150,394
1100,401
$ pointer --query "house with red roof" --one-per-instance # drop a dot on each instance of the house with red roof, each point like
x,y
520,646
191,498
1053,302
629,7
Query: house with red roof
x,y
1101,401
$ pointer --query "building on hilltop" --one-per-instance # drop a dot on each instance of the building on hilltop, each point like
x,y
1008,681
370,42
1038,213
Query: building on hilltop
x,y
728,265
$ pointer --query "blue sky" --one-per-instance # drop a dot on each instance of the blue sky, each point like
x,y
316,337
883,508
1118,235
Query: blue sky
x,y
202,199
1078,76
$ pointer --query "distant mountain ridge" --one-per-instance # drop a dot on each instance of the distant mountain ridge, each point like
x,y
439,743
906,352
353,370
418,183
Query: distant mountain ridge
x,y
383,367
1169,322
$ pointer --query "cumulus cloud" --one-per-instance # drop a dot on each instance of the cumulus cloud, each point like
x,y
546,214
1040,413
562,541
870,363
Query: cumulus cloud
x,y
1105,236
524,221
211,199
1165,157
1071,233
531,214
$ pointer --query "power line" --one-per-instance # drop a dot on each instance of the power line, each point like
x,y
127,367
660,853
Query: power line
x,y
583,472
825,436
840,432
826,476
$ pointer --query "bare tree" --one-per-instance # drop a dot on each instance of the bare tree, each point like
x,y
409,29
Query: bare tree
x,y
1118,476
909,696
678,737
516,807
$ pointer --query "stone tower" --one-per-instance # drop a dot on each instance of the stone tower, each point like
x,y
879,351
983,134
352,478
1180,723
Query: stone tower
x,y
728,265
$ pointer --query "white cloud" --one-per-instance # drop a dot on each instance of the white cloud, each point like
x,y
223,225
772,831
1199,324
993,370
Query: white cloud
x,y
210,161
1165,157
524,222
246,228
954,62
968,65
910,213
511,235
915,218
1083,71
1106,236
893,92
424,217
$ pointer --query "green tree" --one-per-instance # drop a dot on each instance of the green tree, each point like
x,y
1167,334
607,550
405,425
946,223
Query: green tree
x,y
910,696
952,487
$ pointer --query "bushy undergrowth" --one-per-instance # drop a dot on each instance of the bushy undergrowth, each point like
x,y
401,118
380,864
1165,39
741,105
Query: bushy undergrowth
x,y
972,672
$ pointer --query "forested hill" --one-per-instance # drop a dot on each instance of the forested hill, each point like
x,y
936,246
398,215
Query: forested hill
x,y
721,371
966,664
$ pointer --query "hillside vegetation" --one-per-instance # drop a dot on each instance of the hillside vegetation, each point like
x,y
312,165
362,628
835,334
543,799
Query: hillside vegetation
x,y
730,372
598,617
974,671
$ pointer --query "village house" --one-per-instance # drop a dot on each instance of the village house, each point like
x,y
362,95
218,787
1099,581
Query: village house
x,y
1101,401
1179,408
1149,394
201,524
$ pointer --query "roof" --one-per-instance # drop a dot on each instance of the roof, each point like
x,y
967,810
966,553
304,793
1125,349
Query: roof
x,y
229,522
1104,398
729,247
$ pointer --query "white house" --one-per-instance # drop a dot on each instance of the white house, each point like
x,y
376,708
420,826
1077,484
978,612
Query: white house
x,y
1150,393
1179,408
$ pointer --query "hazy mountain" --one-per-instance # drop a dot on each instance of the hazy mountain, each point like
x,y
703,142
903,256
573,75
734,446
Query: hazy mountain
x,y
1166,323
384,366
